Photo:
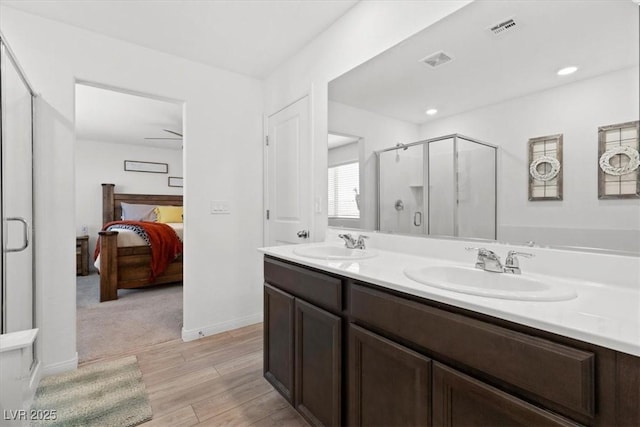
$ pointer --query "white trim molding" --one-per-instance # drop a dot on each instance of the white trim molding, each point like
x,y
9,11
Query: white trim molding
x,y
205,331
60,367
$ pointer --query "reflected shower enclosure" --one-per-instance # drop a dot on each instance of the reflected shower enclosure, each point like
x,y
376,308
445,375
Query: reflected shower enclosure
x,y
444,186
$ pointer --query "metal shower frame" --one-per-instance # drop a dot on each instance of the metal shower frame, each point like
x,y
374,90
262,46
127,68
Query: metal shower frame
x,y
426,142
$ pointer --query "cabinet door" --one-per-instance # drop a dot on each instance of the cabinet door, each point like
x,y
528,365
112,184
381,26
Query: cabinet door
x,y
278,340
389,385
459,400
318,365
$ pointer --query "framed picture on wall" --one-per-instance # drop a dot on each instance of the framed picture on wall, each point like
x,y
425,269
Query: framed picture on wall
x,y
147,167
175,181
545,168
619,161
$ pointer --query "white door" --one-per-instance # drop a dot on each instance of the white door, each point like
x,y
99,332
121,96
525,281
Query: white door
x,y
288,175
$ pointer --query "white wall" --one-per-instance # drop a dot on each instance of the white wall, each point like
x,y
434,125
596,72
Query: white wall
x,y
366,30
222,161
99,162
575,110
377,132
343,154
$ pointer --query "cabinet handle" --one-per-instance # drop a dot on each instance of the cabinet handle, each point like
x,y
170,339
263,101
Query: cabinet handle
x,y
303,234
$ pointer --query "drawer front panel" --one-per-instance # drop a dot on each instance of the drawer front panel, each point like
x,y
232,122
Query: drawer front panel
x,y
459,400
552,371
320,289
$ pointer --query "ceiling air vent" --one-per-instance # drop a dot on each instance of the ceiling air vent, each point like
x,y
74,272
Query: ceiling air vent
x,y
503,27
436,59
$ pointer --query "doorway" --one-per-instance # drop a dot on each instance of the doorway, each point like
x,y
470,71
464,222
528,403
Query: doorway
x,y
132,143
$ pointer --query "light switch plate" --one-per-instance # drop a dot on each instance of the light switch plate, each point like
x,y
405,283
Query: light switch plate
x,y
220,207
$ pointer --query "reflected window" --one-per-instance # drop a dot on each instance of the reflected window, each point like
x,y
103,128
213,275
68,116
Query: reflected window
x,y
344,191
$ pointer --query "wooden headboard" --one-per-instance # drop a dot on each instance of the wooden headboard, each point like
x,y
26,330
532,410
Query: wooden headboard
x,y
112,211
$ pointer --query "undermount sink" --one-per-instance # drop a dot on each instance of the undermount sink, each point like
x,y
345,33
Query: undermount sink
x,y
333,252
474,281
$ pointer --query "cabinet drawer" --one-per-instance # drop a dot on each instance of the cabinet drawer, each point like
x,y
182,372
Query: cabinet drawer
x,y
459,400
317,288
554,372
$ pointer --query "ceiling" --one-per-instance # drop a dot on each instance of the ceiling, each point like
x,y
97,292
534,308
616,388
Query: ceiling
x,y
109,116
335,140
596,36
251,37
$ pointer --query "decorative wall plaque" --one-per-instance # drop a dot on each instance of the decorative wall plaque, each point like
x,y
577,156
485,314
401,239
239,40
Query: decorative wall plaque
x,y
545,168
619,161
148,167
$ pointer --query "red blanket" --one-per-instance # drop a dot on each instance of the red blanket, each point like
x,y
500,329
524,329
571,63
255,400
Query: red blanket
x,y
164,242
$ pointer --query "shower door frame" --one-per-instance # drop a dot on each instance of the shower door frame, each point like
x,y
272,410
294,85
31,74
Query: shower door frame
x,y
427,199
3,285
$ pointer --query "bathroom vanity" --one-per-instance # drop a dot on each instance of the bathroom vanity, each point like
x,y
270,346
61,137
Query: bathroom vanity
x,y
344,350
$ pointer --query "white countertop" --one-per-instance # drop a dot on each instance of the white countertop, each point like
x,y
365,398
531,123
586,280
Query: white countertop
x,y
605,315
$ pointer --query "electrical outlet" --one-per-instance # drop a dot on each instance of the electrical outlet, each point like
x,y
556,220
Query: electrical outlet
x,y
85,230
220,207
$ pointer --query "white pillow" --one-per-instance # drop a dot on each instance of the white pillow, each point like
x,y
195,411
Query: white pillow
x,y
138,212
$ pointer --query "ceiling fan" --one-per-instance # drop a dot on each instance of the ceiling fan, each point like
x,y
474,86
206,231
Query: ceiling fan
x,y
177,137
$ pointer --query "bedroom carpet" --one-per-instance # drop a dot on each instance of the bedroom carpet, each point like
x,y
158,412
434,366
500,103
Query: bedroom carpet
x,y
138,318
101,394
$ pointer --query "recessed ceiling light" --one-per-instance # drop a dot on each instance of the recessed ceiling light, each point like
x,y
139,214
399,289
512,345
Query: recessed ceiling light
x,y
567,70
431,111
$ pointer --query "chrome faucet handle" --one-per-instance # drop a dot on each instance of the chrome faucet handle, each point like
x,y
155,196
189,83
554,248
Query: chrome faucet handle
x,y
484,252
511,263
349,241
360,242
487,260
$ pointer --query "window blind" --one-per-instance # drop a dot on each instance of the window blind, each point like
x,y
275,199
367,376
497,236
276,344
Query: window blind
x,y
344,186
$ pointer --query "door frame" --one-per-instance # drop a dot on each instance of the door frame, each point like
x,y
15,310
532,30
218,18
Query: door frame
x,y
265,165
11,56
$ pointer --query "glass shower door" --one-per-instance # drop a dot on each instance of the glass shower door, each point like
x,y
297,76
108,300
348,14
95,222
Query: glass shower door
x,y
476,190
16,197
401,190
442,187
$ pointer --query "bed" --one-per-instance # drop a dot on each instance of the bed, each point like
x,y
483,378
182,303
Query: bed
x,y
126,267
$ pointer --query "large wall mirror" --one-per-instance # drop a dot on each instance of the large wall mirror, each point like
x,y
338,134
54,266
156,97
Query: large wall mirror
x,y
436,136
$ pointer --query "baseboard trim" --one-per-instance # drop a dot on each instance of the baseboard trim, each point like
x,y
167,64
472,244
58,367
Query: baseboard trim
x,y
57,368
34,382
194,334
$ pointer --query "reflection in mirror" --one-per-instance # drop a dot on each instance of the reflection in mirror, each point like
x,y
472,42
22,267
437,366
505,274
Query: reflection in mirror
x,y
443,186
504,88
343,181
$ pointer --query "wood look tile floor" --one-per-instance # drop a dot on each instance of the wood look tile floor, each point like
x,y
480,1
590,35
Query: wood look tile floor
x,y
213,381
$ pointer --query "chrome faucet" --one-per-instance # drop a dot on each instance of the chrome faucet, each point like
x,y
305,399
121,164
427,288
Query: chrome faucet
x,y
489,261
511,264
352,243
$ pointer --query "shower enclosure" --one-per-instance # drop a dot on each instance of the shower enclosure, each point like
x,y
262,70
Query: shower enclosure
x,y
18,362
444,186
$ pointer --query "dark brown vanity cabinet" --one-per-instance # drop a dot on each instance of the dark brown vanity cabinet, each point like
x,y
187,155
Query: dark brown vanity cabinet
x,y
407,361
279,325
303,342
389,385
460,400
318,365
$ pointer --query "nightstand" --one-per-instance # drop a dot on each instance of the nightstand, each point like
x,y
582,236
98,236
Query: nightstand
x,y
82,255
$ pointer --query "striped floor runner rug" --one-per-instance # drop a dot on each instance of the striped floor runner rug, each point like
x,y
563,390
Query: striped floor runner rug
x,y
101,394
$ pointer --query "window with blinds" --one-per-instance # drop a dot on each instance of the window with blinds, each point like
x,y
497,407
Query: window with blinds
x,y
344,190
